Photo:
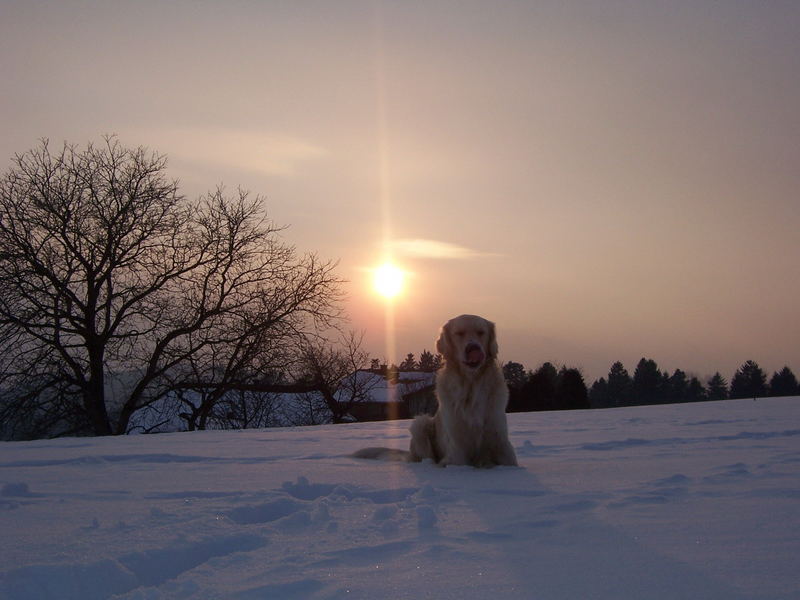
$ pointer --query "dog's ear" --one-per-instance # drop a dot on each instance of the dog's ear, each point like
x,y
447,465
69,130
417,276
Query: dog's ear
x,y
443,344
492,345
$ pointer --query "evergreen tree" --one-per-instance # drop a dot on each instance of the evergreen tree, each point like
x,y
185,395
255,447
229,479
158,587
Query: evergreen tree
x,y
678,387
783,383
647,382
598,394
570,392
427,362
750,381
695,391
516,377
539,390
664,389
717,387
409,363
619,385
514,374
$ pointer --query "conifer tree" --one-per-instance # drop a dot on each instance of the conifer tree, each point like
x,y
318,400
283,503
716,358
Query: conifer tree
x,y
619,385
783,383
750,381
539,390
598,394
717,387
695,391
570,392
647,382
678,387
514,374
427,362
409,363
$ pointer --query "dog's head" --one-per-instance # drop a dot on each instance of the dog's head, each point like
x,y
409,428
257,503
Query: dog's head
x,y
467,342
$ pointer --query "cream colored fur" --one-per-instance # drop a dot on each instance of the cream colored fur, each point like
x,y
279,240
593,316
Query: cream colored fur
x,y
469,428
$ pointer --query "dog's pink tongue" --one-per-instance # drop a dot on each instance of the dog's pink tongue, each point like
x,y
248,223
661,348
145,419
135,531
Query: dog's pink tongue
x,y
474,356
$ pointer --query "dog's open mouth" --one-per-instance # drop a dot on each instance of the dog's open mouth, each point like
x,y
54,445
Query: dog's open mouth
x,y
473,355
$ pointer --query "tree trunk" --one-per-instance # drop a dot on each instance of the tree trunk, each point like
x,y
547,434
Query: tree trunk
x,y
94,394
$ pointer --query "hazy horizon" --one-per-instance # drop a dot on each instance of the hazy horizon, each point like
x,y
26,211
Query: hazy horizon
x,y
605,182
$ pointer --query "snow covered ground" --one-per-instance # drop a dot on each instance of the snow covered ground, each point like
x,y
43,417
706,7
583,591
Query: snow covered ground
x,y
681,501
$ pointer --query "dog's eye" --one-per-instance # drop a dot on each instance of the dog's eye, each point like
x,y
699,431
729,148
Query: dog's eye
x,y
460,334
481,333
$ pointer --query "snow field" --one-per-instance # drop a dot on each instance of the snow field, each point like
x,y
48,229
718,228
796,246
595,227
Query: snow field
x,y
677,501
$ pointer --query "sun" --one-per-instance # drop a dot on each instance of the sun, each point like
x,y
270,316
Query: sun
x,y
388,280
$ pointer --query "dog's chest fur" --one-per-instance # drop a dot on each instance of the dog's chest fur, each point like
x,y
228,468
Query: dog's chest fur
x,y
468,400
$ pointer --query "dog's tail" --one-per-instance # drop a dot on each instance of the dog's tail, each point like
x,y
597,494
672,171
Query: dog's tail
x,y
391,454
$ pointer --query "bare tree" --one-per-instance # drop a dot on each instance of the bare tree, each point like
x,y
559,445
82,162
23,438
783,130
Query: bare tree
x,y
307,408
320,385
108,273
338,373
241,409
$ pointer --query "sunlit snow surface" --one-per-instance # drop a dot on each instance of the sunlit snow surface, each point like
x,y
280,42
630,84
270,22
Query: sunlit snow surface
x,y
680,501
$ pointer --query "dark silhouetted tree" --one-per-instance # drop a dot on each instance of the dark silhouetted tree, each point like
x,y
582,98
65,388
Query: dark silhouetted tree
x,y
106,271
648,383
570,392
598,394
695,391
514,374
678,387
335,372
539,390
428,362
749,381
516,378
409,363
620,385
783,383
717,387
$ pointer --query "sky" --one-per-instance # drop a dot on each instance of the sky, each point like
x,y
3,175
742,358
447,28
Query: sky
x,y
605,181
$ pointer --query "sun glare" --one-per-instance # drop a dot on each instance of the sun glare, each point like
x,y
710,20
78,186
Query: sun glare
x,y
388,280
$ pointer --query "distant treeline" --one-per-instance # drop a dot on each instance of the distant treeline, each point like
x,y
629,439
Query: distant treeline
x,y
427,363
549,388
562,388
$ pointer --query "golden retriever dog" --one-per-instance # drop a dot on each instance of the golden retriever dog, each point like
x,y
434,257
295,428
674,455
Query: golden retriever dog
x,y
469,427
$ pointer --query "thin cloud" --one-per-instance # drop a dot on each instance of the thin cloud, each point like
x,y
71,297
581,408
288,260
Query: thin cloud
x,y
276,155
420,248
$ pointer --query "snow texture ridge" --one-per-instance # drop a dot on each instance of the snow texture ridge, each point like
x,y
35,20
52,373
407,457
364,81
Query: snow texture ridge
x,y
658,502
